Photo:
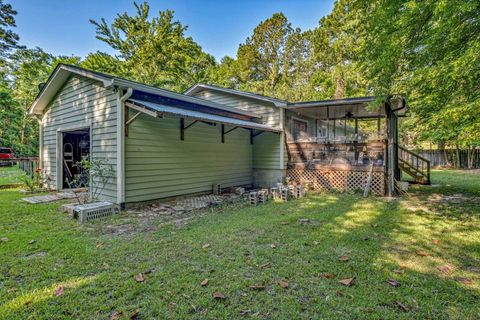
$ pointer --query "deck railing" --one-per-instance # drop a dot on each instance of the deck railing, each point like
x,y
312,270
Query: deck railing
x,y
350,154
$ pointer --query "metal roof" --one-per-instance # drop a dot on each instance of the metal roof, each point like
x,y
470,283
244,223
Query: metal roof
x,y
63,71
163,109
247,94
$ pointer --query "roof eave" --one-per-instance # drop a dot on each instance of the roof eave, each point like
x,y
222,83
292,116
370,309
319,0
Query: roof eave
x,y
55,82
199,86
184,97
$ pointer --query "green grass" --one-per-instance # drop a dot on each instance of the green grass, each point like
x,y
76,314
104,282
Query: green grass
x,y
97,267
10,175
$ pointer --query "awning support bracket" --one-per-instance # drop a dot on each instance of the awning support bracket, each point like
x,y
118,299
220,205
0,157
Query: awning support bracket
x,y
253,135
226,132
183,127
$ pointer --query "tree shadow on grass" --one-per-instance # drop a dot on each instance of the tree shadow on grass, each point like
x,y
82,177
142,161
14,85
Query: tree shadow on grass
x,y
378,237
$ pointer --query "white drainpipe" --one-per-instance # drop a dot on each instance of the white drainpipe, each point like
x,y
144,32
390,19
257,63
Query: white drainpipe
x,y
121,145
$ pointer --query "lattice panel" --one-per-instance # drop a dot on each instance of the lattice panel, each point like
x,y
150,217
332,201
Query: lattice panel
x,y
338,180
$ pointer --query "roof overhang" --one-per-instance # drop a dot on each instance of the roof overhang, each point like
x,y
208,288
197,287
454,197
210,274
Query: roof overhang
x,y
55,82
156,109
62,73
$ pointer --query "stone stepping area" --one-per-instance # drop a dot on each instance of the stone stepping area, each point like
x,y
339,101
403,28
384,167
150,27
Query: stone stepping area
x,y
49,197
183,205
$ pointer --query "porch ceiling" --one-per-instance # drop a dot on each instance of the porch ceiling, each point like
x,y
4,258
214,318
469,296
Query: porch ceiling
x,y
339,111
347,108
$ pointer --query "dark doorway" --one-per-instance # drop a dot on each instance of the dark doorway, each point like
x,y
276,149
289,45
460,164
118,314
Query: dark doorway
x,y
76,147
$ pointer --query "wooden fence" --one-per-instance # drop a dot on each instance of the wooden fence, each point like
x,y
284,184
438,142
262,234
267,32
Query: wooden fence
x,y
453,158
29,165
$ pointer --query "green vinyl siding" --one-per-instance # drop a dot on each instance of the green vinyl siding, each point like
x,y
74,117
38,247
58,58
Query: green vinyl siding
x,y
268,111
160,165
82,103
266,151
266,147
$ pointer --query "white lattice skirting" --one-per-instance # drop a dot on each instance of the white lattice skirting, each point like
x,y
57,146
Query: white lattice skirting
x,y
342,180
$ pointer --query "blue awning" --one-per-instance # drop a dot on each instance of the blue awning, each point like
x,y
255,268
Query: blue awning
x,y
197,115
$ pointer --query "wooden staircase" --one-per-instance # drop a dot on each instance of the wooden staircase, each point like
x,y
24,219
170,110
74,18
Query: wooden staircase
x,y
414,165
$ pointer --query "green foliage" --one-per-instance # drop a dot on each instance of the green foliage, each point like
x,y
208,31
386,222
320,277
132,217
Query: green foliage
x,y
26,68
280,61
8,38
97,171
36,182
428,50
155,51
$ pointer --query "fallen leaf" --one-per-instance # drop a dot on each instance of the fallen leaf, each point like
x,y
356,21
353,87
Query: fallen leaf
x,y
4,239
139,277
315,243
135,314
116,315
464,280
32,241
204,283
339,294
347,282
399,271
422,253
106,265
219,296
58,291
283,284
284,222
245,312
374,225
402,306
206,245
436,241
265,265
329,275
393,283
258,286
273,246
343,258
99,245
446,269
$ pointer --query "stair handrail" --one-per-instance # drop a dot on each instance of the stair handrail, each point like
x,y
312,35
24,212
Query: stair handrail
x,y
417,156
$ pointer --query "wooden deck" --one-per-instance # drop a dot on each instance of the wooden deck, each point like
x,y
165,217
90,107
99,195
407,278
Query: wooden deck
x,y
337,166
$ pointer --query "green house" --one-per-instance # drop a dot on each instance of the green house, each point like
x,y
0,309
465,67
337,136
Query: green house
x,y
163,144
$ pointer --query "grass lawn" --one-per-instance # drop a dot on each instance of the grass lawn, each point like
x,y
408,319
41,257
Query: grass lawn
x,y
10,175
428,244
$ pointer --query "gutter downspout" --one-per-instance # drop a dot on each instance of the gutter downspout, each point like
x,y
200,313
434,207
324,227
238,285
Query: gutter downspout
x,y
121,145
283,146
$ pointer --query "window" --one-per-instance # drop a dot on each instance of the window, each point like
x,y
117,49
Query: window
x,y
299,129
322,129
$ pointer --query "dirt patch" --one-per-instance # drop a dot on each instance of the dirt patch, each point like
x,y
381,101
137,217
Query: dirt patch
x,y
145,218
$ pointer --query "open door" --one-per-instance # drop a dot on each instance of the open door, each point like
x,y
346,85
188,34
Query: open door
x,y
75,148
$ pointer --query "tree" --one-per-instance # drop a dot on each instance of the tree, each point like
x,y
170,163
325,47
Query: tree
x,y
428,50
336,43
103,62
273,61
27,68
155,51
8,38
